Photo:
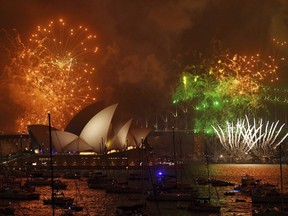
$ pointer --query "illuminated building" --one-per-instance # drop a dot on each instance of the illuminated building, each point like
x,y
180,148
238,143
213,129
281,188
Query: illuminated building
x,y
95,140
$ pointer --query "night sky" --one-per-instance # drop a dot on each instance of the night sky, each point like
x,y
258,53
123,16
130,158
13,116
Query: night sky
x,y
144,45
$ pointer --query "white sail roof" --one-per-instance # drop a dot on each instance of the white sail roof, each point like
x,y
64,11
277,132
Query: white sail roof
x,y
95,131
119,140
138,134
78,145
60,139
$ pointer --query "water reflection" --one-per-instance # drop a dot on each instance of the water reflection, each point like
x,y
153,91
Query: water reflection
x,y
98,202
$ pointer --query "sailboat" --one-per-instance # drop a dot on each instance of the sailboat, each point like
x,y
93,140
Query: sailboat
x,y
132,209
203,204
74,207
272,201
134,206
12,189
272,195
168,187
57,198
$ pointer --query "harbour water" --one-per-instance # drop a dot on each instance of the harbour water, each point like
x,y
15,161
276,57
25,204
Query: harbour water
x,y
97,202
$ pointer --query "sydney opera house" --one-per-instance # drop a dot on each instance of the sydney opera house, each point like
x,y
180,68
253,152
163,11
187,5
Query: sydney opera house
x,y
95,132
96,136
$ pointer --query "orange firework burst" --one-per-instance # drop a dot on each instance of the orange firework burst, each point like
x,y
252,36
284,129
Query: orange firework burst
x,y
52,74
253,66
248,72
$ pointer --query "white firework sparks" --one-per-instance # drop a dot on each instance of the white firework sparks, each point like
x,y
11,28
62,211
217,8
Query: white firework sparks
x,y
243,137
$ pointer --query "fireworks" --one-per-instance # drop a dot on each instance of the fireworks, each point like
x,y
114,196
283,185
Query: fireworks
x,y
52,73
248,72
254,67
217,100
257,68
227,86
243,137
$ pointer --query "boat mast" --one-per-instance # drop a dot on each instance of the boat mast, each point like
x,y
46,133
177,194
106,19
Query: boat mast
x,y
181,164
21,159
208,171
174,148
51,164
281,177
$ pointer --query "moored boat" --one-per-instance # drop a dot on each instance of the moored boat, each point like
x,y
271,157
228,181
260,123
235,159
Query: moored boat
x,y
171,196
57,184
99,182
271,197
17,194
130,209
269,211
248,184
229,193
74,207
203,205
268,193
220,183
72,175
123,189
7,211
58,199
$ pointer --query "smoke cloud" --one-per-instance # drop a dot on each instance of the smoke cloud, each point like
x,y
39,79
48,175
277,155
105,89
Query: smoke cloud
x,y
144,45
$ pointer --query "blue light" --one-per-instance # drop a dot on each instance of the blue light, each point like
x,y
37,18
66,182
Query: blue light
x,y
160,173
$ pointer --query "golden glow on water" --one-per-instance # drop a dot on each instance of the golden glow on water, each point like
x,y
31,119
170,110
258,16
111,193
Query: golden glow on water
x,y
100,203
266,172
